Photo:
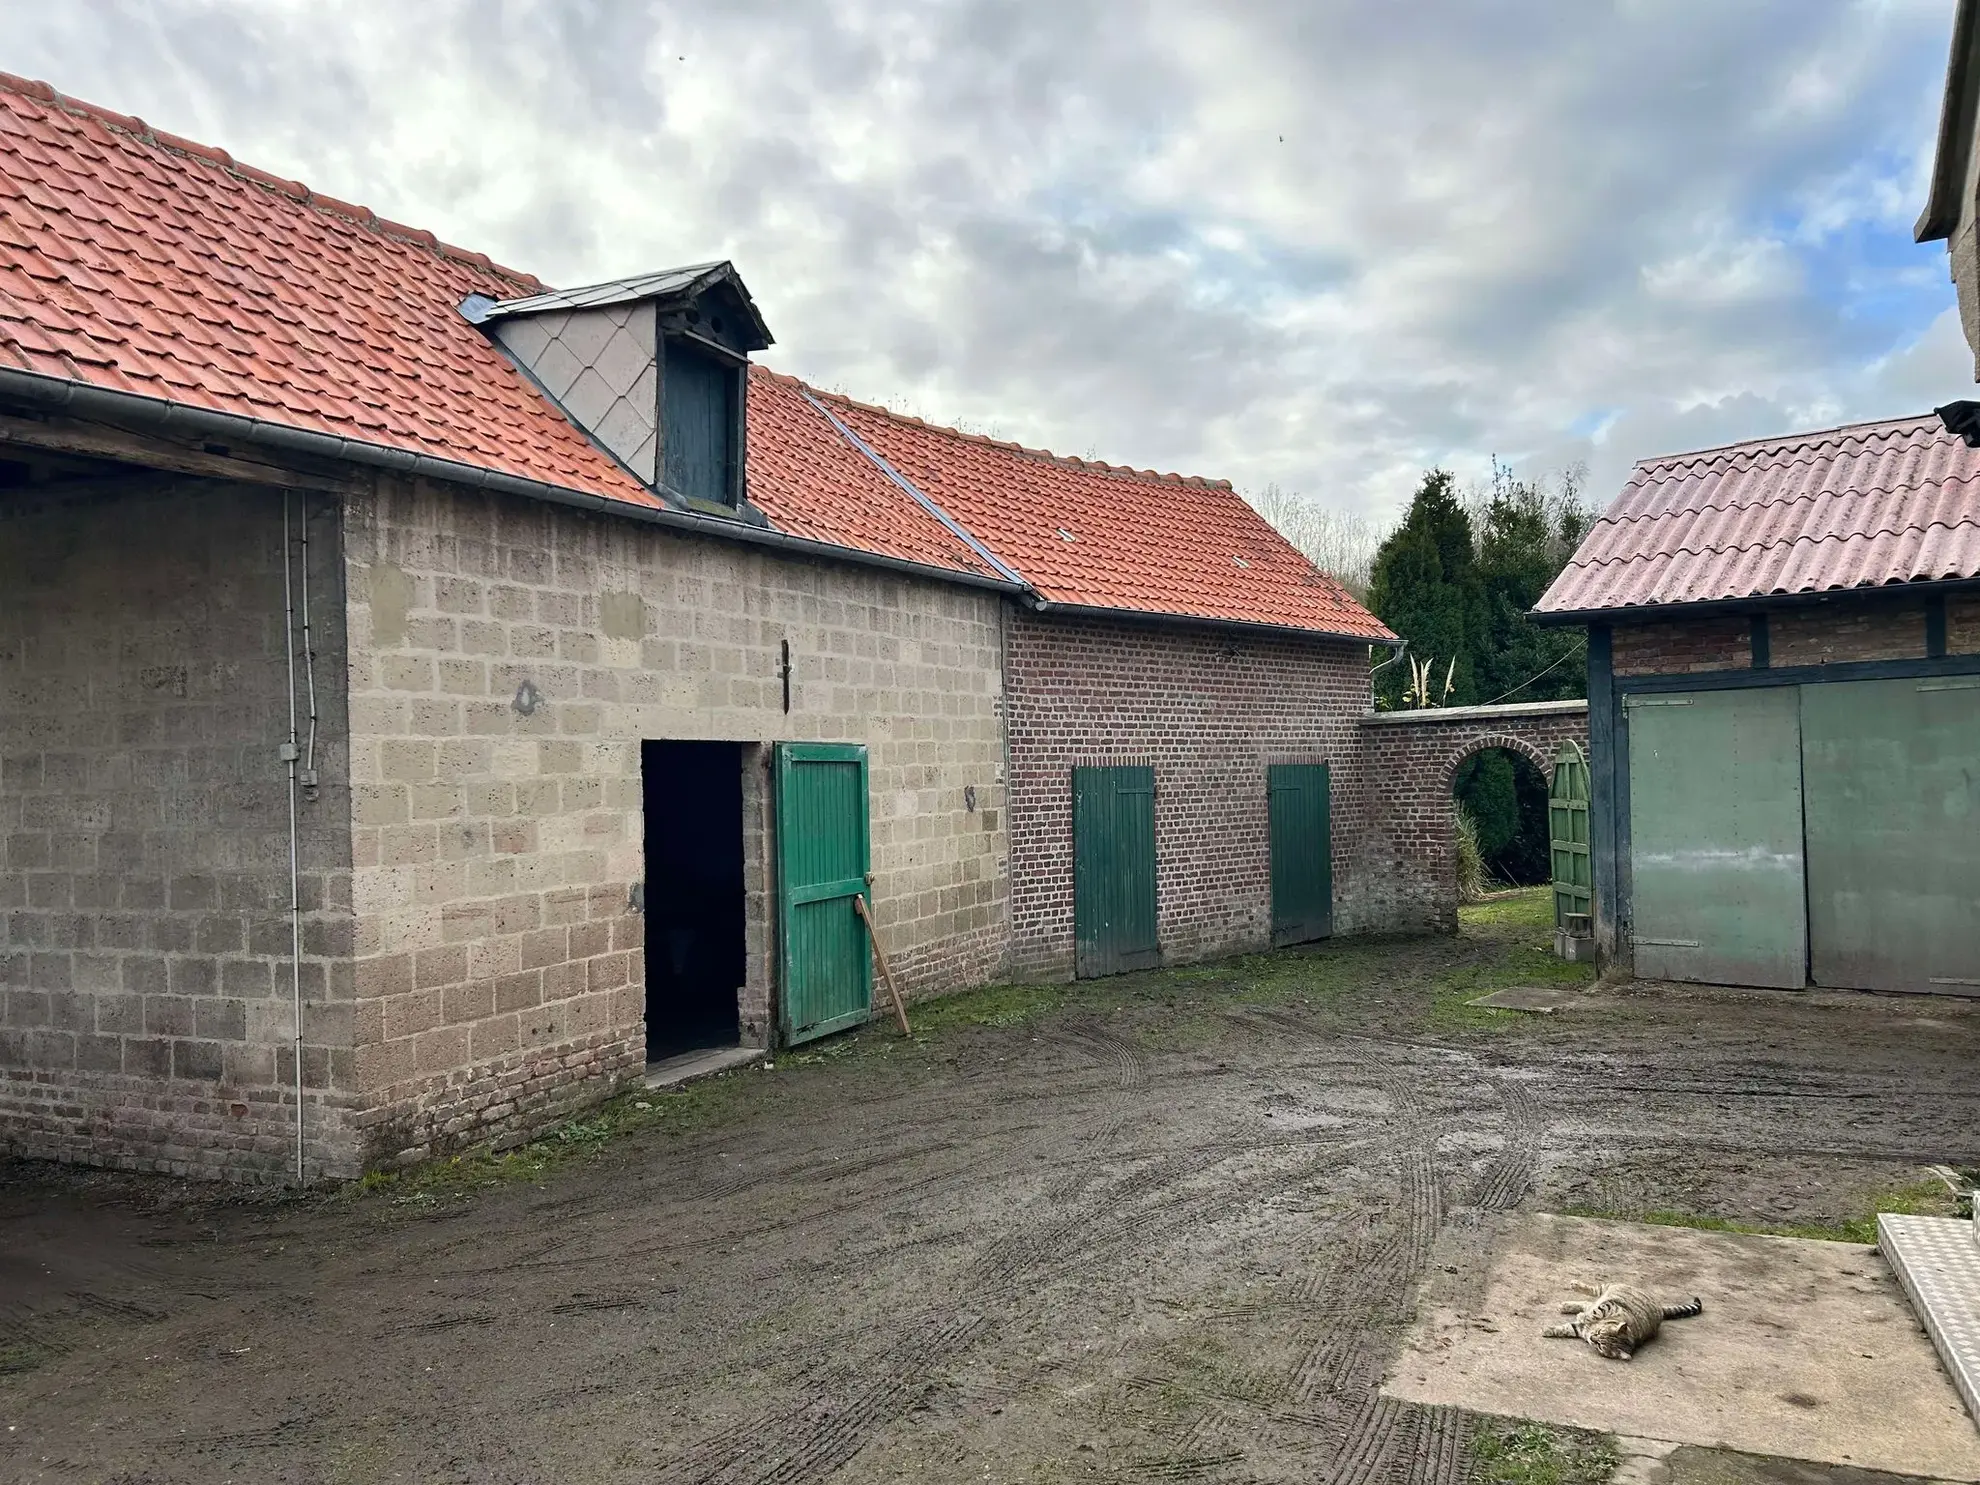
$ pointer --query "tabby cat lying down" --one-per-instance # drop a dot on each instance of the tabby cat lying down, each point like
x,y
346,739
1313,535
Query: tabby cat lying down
x,y
1619,1319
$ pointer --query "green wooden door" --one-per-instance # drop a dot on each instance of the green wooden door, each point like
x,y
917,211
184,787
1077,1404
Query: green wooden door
x,y
1114,871
1717,883
1567,832
1891,774
822,860
1302,852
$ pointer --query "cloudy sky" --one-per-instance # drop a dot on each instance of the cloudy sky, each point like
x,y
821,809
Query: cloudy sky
x,y
1318,243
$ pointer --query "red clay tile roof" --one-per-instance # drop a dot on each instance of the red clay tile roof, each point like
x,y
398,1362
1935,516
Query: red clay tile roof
x,y
138,262
811,482
1854,507
1099,535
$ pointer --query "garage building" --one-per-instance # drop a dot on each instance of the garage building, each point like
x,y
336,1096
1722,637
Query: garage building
x,y
1784,710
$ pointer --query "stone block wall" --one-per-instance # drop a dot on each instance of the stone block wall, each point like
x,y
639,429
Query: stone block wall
x,y
506,660
1408,858
145,935
1209,710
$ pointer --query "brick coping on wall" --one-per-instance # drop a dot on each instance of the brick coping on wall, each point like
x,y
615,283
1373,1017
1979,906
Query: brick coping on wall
x,y
1477,713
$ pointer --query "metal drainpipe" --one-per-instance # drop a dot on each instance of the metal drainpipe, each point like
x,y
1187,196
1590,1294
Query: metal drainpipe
x,y
291,752
1376,670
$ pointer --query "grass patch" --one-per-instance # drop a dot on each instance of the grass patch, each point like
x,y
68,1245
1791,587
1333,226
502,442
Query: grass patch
x,y
1522,923
1514,1453
637,1110
993,1005
18,1356
1523,907
1923,1199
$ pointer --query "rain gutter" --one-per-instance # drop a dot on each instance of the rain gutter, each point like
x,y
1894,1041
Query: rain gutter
x,y
1246,626
162,416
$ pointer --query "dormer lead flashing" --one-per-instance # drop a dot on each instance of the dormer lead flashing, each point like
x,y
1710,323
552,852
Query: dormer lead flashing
x,y
654,370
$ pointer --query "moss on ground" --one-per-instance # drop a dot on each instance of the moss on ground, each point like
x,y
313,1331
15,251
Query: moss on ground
x,y
1507,1452
1921,1199
635,1111
18,1355
1411,984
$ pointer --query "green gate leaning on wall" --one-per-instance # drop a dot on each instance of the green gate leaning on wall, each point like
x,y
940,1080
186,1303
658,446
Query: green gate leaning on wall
x,y
1302,852
823,854
1567,834
1114,923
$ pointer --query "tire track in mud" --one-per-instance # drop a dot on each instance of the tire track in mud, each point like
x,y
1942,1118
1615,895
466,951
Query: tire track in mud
x,y
1509,1177
1077,1234
1368,1291
813,1437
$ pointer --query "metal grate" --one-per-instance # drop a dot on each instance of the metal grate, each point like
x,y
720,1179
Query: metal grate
x,y
1937,1260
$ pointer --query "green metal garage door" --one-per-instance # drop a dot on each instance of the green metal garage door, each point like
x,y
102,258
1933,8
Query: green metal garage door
x,y
822,860
1717,888
1302,852
1891,771
1114,871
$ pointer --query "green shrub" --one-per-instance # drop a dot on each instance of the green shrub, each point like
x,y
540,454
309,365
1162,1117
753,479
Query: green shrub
x,y
1470,860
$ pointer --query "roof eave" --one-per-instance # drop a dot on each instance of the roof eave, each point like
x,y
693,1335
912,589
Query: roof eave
x,y
1751,603
1943,207
162,416
1200,621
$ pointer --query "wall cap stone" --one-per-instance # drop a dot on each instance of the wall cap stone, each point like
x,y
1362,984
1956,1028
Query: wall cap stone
x,y
1515,709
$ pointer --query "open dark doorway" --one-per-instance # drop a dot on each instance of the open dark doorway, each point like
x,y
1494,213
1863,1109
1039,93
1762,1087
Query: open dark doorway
x,y
695,959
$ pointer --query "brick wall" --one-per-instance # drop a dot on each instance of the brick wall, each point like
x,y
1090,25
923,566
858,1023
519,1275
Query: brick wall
x,y
1849,627
1209,710
1963,624
1723,642
145,941
1407,858
1845,629
499,968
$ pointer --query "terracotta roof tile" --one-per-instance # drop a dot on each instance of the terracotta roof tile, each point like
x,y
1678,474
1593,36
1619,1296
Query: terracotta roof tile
x,y
1103,536
1859,506
135,260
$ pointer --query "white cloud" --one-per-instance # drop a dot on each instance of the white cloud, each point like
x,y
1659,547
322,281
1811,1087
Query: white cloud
x,y
1322,245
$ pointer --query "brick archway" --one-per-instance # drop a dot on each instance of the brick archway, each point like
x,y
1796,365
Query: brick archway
x,y
1404,873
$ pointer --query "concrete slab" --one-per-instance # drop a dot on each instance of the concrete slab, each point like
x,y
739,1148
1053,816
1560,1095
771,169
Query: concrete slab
x,y
671,1072
1937,1260
1806,1350
1542,999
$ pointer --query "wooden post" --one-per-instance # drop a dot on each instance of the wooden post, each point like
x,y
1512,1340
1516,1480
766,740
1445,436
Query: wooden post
x,y
887,974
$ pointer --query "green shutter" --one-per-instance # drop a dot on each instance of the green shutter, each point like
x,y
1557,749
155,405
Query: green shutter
x,y
1114,926
1891,772
1716,867
1302,852
1567,830
822,860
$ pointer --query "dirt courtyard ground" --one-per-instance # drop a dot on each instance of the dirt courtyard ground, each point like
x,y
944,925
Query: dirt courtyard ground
x,y
1165,1227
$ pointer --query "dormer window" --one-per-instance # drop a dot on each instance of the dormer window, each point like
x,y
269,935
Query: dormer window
x,y
654,369
700,393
